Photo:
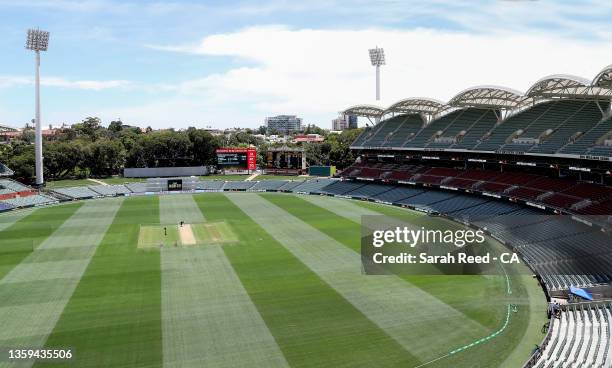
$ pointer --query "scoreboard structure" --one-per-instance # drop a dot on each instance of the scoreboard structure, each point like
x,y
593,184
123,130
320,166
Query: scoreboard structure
x,y
285,161
236,160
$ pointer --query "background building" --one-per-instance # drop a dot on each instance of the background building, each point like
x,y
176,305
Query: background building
x,y
344,122
283,124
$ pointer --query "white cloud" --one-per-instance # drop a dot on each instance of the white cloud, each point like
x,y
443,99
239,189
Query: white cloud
x,y
315,73
10,81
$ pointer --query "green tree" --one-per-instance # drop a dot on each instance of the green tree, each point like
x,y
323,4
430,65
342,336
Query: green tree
x,y
105,157
204,146
90,127
62,158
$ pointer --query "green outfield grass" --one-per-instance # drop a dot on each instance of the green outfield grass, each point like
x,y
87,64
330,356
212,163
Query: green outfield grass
x,y
481,298
274,280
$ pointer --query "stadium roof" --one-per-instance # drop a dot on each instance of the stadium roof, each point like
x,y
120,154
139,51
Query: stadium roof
x,y
496,97
563,85
367,111
417,105
489,97
603,78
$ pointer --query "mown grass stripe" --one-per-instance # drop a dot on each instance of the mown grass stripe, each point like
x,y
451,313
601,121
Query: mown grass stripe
x,y
208,318
393,304
460,292
179,207
9,218
341,207
29,324
313,325
478,297
19,239
114,316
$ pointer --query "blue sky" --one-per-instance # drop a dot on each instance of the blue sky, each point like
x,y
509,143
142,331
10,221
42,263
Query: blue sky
x,y
232,63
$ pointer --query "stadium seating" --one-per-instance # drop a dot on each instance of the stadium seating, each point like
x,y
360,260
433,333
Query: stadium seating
x,y
289,185
408,128
238,185
268,185
13,185
476,131
551,119
5,171
580,337
586,141
500,134
5,206
110,190
30,200
210,185
396,194
479,120
427,199
561,126
342,187
368,191
484,210
384,131
583,120
137,187
6,191
458,203
312,186
77,192
426,134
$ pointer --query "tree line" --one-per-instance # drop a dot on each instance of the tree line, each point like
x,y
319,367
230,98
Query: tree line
x,y
88,149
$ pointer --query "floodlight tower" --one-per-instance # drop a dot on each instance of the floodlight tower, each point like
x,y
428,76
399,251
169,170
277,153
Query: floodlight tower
x,y
377,57
38,41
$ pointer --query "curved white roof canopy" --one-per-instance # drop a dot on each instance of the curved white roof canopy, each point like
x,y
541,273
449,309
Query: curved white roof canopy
x,y
488,97
567,86
367,111
603,78
417,105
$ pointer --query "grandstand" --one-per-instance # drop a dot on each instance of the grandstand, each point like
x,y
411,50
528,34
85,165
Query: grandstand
x,y
559,115
579,337
13,185
238,185
5,171
110,190
77,192
512,163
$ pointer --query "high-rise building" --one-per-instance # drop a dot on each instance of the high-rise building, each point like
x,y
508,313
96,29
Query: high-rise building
x,y
344,122
283,124
339,123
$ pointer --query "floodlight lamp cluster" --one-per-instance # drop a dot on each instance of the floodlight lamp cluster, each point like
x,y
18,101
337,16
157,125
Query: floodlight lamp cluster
x,y
377,56
37,40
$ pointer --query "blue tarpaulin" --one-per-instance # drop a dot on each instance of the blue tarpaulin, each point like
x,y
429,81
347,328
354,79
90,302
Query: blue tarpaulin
x,y
581,293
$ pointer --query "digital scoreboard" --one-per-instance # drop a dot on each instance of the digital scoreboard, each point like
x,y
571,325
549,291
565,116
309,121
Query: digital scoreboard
x,y
285,161
175,185
237,158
